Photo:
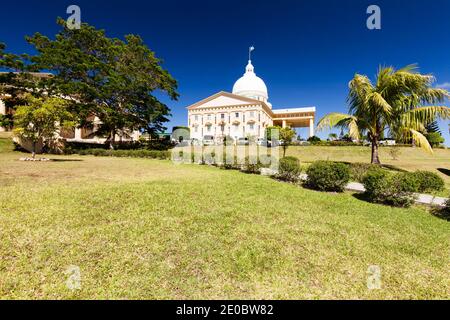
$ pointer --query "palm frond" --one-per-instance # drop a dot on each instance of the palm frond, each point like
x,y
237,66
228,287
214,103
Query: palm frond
x,y
421,141
332,120
420,117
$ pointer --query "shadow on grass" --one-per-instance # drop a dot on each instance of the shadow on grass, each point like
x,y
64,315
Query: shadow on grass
x,y
444,171
441,213
361,196
385,166
65,160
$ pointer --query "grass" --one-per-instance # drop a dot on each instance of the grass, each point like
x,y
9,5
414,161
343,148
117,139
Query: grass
x,y
141,228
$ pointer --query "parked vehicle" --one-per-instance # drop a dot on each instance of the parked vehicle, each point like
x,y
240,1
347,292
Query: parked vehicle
x,y
387,142
243,142
261,142
208,140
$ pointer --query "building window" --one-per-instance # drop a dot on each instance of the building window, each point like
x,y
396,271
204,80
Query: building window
x,y
195,129
236,115
222,116
252,114
251,126
209,117
208,128
196,118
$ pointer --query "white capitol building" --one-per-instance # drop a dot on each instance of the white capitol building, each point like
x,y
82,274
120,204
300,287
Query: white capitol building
x,y
245,112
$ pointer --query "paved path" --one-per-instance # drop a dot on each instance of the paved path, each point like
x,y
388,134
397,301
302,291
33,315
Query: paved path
x,y
421,198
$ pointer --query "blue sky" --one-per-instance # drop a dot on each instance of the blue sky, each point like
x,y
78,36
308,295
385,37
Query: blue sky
x,y
306,51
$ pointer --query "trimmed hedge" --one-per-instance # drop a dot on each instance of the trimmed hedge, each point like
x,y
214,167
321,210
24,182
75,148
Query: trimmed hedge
x,y
289,169
328,176
429,181
140,153
396,189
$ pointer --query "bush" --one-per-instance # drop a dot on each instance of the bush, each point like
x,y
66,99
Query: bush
x,y
359,170
251,165
429,181
394,189
328,176
141,153
314,139
289,169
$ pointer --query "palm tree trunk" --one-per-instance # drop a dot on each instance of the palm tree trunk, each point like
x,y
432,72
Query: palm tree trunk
x,y
375,156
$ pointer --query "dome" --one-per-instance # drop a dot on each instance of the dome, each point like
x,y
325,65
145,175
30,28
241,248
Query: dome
x,y
250,85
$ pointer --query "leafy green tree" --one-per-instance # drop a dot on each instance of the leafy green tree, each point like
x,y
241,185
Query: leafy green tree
x,y
435,139
40,119
395,102
273,133
112,79
286,134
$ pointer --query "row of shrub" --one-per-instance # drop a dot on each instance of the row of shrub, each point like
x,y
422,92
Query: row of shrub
x,y
382,186
140,153
398,189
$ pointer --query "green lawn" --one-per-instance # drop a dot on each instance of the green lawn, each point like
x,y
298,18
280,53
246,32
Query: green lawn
x,y
141,228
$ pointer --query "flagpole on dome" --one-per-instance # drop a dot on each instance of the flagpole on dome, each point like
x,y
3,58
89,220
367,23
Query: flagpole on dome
x,y
250,53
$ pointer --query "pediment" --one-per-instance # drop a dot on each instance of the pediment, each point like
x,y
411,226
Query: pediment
x,y
223,99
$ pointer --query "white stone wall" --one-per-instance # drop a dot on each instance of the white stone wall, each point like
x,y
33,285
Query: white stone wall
x,y
238,121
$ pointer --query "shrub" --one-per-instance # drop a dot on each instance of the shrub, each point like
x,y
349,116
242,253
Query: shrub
x,y
328,176
429,181
394,152
140,153
251,165
314,139
396,189
289,169
446,209
359,170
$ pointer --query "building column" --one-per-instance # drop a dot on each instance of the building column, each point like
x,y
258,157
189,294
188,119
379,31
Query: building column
x,y
284,124
77,133
3,112
311,127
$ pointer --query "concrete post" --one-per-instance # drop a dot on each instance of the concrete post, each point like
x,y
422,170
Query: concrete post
x,y
311,127
2,111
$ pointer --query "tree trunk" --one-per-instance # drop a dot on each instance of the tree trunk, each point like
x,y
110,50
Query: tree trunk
x,y
284,150
375,157
112,140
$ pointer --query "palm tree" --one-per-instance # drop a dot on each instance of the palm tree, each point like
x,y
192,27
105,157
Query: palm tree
x,y
394,103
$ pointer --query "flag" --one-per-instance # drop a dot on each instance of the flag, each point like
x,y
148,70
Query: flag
x,y
252,48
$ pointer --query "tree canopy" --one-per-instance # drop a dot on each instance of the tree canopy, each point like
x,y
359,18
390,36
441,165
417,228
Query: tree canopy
x,y
115,80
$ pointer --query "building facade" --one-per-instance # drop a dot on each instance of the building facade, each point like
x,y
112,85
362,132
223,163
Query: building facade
x,y
245,112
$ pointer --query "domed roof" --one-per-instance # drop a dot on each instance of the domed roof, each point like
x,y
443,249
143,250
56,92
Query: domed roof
x,y
250,85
